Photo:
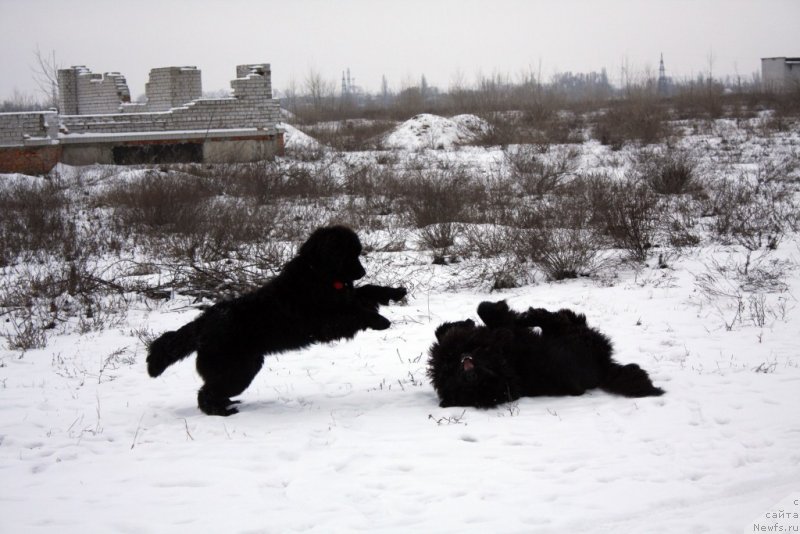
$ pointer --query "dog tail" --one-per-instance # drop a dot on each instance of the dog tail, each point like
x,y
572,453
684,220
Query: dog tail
x,y
171,347
629,380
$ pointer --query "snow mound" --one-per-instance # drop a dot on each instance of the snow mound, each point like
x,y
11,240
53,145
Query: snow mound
x,y
433,131
295,139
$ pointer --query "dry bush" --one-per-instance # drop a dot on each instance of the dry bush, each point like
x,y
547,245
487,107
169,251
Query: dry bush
x,y
754,215
33,218
162,202
681,221
268,182
539,169
229,223
558,237
667,170
553,126
351,135
503,130
41,296
638,118
487,240
380,187
442,197
437,202
197,268
703,100
629,214
540,127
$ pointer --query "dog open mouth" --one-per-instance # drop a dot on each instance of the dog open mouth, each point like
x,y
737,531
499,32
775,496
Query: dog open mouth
x,y
467,363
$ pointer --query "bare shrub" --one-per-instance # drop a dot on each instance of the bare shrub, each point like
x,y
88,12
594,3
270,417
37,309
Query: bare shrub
x,y
487,240
699,100
33,217
558,238
745,286
228,223
198,269
680,217
539,126
351,135
504,129
163,202
667,170
562,128
630,216
26,334
539,169
639,118
442,196
380,187
437,202
754,215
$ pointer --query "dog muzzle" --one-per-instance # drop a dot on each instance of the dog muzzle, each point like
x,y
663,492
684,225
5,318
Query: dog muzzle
x,y
467,363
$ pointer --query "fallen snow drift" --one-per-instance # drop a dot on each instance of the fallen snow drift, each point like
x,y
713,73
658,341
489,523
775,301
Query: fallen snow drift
x,y
432,131
295,139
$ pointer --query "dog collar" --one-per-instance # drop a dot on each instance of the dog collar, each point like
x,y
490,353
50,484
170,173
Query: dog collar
x,y
338,285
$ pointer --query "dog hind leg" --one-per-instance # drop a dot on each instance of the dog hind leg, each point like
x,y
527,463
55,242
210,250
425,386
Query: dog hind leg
x,y
212,402
222,383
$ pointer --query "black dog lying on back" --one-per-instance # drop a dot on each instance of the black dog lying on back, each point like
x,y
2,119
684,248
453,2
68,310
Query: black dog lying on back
x,y
311,300
484,366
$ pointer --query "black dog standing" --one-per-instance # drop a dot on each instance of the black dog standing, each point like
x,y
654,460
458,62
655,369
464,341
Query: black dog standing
x,y
484,366
311,300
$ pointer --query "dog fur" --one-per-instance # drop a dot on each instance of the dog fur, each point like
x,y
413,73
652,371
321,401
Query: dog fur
x,y
483,366
311,300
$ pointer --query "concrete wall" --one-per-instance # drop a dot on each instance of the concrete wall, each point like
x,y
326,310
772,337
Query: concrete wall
x,y
243,150
780,72
219,149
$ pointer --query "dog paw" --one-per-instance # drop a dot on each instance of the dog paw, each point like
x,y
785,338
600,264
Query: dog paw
x,y
398,293
494,313
380,323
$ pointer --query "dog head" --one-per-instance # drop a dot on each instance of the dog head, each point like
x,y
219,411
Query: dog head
x,y
334,251
470,365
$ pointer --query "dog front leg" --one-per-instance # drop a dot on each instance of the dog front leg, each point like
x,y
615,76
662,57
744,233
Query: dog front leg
x,y
371,294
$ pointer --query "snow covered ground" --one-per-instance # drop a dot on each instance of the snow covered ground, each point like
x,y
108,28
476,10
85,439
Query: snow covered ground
x,y
348,437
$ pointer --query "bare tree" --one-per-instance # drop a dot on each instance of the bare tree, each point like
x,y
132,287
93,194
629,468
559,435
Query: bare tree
x,y
290,94
45,74
19,101
320,90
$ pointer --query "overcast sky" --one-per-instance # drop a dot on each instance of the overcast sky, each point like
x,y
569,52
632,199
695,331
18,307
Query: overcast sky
x,y
401,39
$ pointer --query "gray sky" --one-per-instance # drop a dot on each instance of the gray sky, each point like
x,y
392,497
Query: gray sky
x,y
402,39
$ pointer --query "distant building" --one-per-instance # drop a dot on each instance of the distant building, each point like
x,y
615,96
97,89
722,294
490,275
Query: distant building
x,y
780,72
98,123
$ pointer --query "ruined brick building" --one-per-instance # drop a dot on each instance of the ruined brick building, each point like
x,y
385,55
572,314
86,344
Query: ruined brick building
x,y
98,123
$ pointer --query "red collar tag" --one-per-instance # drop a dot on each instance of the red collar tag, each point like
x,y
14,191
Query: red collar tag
x,y
338,285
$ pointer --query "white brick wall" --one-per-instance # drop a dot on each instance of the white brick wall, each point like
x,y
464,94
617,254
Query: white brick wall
x,y
251,106
16,128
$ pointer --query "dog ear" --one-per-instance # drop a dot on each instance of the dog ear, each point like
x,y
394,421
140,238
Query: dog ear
x,y
445,327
